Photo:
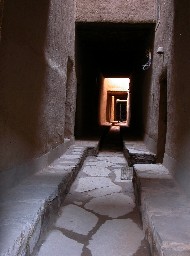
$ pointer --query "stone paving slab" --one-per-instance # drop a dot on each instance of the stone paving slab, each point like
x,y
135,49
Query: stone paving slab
x,y
165,210
59,245
114,205
125,239
91,183
76,219
100,213
100,172
105,191
24,209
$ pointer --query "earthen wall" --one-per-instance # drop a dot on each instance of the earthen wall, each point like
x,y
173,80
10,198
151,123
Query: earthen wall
x,y
132,11
37,56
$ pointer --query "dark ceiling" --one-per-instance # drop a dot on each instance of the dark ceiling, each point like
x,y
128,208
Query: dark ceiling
x,y
119,48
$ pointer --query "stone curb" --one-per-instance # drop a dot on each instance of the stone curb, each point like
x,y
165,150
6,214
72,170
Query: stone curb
x,y
165,210
27,211
137,153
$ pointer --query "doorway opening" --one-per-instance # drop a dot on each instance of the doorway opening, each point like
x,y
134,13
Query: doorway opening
x,y
116,108
107,52
114,101
162,122
121,110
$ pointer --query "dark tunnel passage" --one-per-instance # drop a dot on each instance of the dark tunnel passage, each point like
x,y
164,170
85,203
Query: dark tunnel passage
x,y
111,50
112,140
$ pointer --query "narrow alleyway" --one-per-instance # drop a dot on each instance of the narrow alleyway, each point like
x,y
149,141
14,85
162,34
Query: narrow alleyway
x,y
99,216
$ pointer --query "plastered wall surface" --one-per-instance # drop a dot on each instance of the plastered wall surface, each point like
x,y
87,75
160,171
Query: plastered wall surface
x,y
174,36
115,11
38,83
180,93
180,77
37,39
161,67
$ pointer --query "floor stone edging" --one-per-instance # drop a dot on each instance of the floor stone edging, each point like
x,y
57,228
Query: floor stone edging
x,y
28,209
136,153
164,209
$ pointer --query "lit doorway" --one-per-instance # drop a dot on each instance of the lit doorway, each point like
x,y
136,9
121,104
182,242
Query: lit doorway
x,y
121,110
116,107
115,101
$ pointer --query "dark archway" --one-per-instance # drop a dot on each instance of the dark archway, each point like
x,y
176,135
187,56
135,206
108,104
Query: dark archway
x,y
162,122
113,50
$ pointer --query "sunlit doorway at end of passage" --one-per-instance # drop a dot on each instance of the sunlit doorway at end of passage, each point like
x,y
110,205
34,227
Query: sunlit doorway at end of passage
x,y
115,101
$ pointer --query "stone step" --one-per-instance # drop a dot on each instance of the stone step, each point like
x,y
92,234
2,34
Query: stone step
x,y
137,153
27,210
165,210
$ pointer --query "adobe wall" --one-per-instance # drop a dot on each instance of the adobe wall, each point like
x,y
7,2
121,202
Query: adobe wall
x,y
37,44
132,11
180,94
174,35
161,69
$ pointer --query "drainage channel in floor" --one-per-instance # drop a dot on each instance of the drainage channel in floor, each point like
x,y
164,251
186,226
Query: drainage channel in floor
x,y
99,216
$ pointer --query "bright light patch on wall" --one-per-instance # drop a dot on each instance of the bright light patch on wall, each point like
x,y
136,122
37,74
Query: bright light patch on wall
x,y
117,84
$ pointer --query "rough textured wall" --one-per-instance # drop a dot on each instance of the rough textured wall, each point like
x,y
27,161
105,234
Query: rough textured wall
x,y
37,38
161,67
115,11
180,90
171,70
70,104
180,81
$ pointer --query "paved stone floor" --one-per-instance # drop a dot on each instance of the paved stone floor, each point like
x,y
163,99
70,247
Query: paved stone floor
x,y
99,217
